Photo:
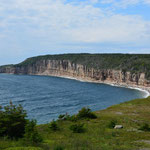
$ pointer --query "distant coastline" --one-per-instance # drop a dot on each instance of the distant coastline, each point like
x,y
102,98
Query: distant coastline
x,y
123,70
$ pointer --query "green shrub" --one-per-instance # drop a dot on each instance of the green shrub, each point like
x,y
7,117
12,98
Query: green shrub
x,y
12,121
64,117
59,148
31,133
24,148
145,127
86,113
67,116
61,117
53,126
112,124
13,124
77,128
73,118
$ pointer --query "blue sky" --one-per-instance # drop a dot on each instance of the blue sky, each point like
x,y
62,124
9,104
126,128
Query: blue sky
x,y
38,27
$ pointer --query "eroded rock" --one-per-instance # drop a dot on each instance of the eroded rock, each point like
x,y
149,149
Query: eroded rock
x,y
118,127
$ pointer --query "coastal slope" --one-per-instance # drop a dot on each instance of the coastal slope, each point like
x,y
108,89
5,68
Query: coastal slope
x,y
98,135
120,69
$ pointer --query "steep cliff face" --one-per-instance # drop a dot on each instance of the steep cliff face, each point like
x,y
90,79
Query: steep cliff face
x,y
67,68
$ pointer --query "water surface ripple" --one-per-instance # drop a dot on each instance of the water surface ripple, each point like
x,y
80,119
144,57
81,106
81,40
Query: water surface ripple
x,y
45,97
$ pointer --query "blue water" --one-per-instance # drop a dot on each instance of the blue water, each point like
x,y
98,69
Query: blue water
x,y
46,97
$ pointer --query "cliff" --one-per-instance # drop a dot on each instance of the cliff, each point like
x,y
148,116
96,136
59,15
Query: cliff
x,y
107,68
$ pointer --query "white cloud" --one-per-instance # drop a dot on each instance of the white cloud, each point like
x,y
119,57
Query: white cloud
x,y
65,22
147,1
107,1
94,1
116,28
124,3
33,27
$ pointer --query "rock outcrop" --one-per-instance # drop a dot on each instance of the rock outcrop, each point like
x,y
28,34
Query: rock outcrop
x,y
66,68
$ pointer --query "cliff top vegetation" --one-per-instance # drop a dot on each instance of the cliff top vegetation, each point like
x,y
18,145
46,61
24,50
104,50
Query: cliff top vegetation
x,y
125,62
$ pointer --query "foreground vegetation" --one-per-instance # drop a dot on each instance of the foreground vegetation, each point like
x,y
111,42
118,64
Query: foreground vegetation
x,y
90,131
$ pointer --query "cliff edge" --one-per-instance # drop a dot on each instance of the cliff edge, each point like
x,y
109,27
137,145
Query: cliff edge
x,y
122,69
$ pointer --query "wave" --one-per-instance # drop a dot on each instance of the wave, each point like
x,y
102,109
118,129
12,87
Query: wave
x,y
53,106
21,101
47,101
147,92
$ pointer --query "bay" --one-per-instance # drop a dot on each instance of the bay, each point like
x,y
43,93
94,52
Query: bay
x,y
45,97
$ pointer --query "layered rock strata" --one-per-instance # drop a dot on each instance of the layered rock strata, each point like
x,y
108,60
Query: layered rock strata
x,y
66,68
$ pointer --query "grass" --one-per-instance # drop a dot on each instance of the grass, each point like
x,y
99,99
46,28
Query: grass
x,y
98,135
24,148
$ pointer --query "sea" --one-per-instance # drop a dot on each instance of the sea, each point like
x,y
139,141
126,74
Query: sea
x,y
45,97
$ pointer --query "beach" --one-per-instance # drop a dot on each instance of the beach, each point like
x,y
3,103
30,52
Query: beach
x,y
144,89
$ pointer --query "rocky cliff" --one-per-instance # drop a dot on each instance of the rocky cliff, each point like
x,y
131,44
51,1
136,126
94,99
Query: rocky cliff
x,y
67,68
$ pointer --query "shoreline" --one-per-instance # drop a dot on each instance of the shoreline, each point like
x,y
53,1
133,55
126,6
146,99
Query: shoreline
x,y
143,89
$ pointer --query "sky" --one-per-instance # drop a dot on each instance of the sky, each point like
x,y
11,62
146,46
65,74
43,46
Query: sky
x,y
38,27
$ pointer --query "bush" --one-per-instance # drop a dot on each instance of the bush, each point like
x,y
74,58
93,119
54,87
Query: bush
x,y
85,113
31,133
59,148
64,117
24,148
12,121
145,127
73,118
53,126
112,124
13,124
77,128
61,117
